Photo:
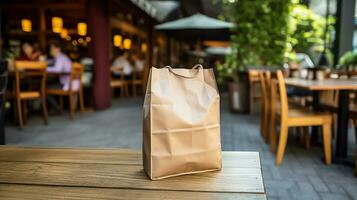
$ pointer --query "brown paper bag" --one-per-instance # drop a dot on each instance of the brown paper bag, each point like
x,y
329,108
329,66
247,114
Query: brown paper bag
x,y
181,122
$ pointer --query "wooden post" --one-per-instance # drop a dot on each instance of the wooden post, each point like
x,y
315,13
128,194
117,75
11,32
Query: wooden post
x,y
42,32
98,26
344,28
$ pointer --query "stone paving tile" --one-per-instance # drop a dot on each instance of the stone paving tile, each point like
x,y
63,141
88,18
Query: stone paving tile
x,y
335,188
302,175
318,184
332,196
351,190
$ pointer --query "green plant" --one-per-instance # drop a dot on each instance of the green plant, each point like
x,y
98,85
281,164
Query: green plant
x,y
307,31
348,58
271,32
260,34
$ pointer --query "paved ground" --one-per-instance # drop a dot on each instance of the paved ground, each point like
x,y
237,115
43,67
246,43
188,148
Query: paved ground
x,y
301,176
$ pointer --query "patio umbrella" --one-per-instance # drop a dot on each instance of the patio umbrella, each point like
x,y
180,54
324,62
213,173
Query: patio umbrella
x,y
197,26
219,51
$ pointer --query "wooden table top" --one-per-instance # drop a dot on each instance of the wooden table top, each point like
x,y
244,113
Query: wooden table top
x,y
78,173
12,73
327,84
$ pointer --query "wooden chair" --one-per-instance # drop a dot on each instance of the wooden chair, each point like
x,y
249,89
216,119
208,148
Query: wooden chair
x,y
253,79
75,74
120,83
265,79
138,80
298,118
26,69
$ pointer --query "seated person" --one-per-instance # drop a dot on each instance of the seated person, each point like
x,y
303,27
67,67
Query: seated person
x,y
61,63
121,66
28,53
138,63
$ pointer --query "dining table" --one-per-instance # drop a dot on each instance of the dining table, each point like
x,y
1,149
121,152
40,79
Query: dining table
x,y
93,173
344,86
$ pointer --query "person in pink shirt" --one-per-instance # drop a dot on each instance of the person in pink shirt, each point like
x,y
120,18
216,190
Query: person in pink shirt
x,y
61,63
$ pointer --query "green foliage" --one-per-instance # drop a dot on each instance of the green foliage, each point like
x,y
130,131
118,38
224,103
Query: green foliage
x,y
306,31
349,58
229,69
260,34
270,32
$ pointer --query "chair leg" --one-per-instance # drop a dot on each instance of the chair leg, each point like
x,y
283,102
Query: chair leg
x,y
24,112
282,142
19,113
71,106
61,103
327,142
75,101
267,126
81,101
44,110
262,121
273,133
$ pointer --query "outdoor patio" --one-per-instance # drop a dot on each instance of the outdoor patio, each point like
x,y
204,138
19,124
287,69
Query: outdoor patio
x,y
301,176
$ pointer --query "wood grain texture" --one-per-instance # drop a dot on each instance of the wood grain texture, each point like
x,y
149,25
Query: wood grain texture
x,y
106,156
112,171
33,192
328,84
128,176
70,155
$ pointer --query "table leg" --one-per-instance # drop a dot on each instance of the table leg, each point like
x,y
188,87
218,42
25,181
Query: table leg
x,y
342,124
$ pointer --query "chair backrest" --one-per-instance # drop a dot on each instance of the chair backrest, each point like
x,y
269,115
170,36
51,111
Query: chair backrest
x,y
253,75
263,89
25,69
30,66
267,78
282,94
77,71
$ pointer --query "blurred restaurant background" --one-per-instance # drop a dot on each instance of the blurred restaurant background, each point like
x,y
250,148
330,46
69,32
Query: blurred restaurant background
x,y
74,73
94,32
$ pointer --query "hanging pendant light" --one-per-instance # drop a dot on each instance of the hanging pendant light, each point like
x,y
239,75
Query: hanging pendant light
x,y
127,43
26,25
57,24
144,47
117,40
82,29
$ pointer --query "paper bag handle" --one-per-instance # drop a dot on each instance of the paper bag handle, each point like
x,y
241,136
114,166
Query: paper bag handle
x,y
197,66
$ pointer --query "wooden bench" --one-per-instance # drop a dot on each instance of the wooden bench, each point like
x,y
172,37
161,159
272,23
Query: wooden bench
x,y
67,173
